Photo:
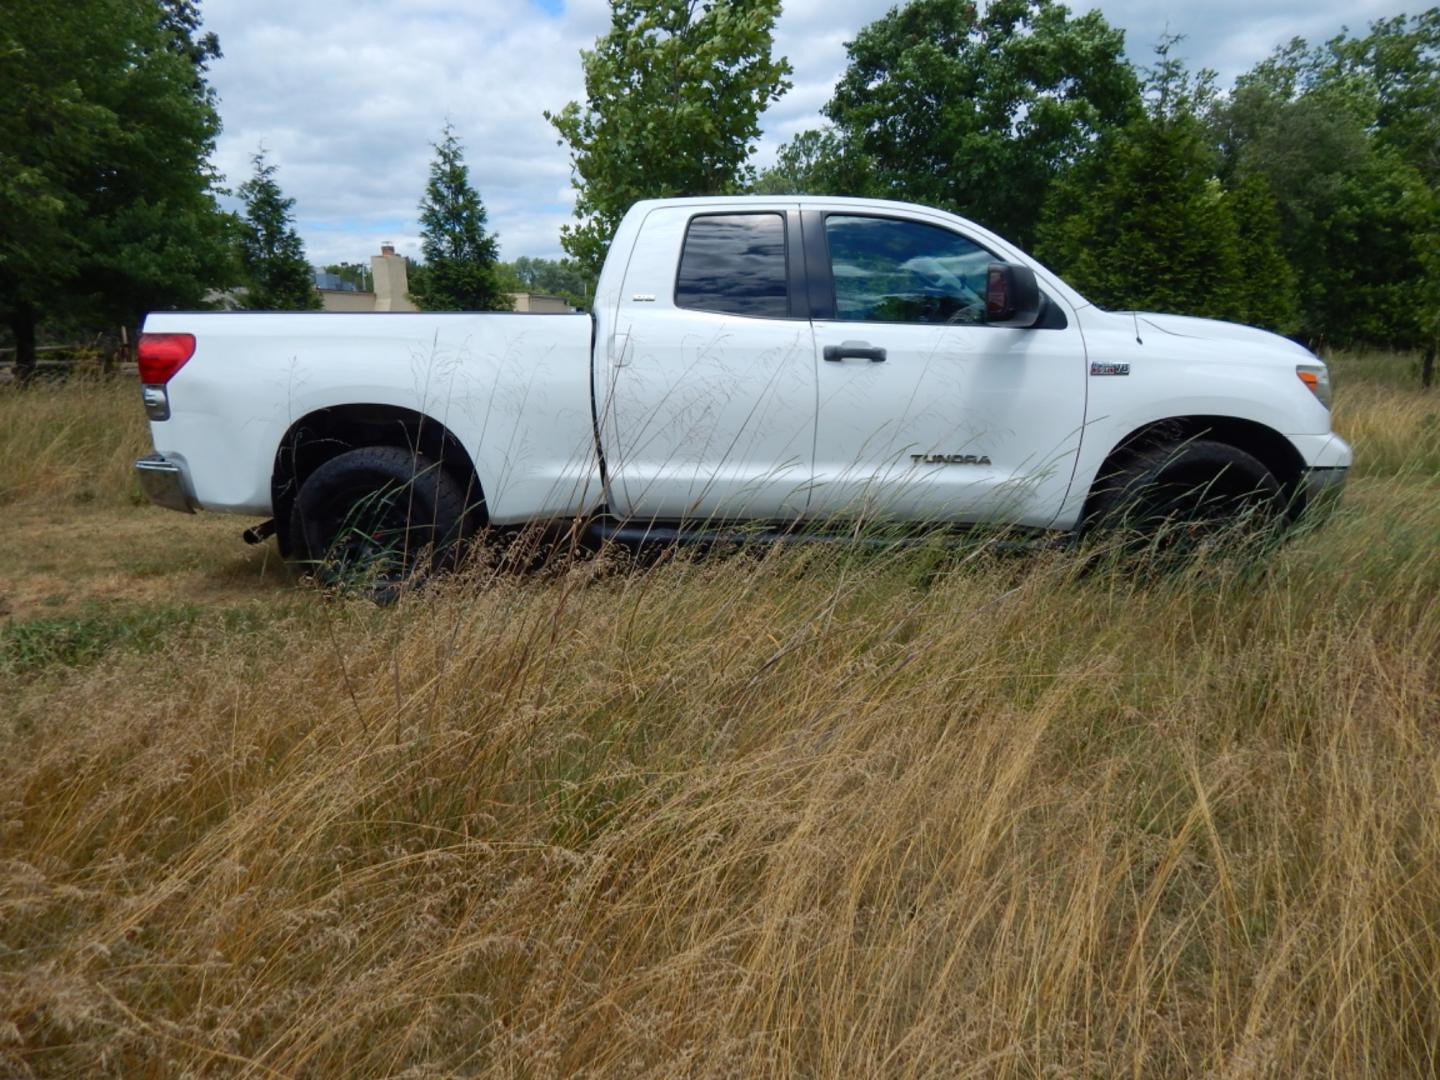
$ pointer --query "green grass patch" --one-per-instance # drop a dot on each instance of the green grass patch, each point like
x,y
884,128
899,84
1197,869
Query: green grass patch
x,y
1396,370
78,640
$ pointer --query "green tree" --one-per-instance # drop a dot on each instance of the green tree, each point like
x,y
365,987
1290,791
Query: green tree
x,y
1267,295
277,274
106,192
357,274
180,20
1400,61
817,162
673,94
1143,222
1333,132
981,111
558,277
460,271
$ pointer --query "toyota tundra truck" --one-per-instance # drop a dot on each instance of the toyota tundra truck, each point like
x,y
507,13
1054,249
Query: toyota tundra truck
x,y
767,362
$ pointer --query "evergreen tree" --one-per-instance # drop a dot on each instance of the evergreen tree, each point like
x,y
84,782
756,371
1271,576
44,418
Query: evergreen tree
x,y
278,276
460,270
674,94
1267,294
1144,222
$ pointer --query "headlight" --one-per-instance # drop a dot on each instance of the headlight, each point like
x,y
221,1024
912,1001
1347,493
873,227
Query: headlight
x,y
1317,378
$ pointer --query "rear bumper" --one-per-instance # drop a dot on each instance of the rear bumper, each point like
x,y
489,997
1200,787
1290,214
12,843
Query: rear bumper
x,y
165,484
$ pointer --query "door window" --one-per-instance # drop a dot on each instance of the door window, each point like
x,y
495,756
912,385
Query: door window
x,y
890,270
735,264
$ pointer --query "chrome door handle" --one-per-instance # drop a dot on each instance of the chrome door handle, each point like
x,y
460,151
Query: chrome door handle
x,y
860,350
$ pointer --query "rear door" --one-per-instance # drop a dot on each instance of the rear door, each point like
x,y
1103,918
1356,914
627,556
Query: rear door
x,y
709,412
925,412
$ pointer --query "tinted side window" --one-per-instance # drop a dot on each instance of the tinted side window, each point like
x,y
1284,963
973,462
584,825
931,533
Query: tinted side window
x,y
734,263
887,270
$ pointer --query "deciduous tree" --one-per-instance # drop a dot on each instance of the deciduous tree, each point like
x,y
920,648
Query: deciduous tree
x,y
979,111
673,96
562,277
817,162
107,196
357,274
1338,133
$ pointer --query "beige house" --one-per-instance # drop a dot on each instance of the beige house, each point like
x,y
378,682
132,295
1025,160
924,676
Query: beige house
x,y
539,303
392,291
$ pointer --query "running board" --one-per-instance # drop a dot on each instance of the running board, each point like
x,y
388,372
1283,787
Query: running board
x,y
635,535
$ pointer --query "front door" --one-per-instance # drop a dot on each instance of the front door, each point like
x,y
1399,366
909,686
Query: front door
x,y
710,410
925,412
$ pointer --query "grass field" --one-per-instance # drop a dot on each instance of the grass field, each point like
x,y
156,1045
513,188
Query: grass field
x,y
827,812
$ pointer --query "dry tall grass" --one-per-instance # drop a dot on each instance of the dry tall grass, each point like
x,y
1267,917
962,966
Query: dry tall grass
x,y
821,812
71,441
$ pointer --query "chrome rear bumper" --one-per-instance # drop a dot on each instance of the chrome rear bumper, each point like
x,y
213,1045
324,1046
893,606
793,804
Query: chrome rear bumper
x,y
165,484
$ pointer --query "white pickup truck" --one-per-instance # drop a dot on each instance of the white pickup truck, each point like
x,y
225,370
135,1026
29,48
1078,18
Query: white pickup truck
x,y
776,361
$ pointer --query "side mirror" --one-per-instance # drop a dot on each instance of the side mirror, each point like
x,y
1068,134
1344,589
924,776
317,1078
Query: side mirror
x,y
1012,297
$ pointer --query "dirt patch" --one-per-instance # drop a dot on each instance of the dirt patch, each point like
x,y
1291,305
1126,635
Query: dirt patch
x,y
64,557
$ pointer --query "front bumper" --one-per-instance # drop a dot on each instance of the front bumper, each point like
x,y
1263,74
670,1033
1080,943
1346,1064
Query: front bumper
x,y
165,483
1324,451
1327,459
1318,492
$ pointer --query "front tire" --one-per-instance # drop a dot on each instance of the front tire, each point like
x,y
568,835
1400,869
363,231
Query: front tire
x,y
1175,500
376,519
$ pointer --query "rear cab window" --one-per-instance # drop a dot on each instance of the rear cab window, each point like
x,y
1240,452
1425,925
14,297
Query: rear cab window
x,y
735,264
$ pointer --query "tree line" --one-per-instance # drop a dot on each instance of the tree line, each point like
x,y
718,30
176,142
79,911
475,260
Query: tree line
x,y
1304,198
110,206
107,201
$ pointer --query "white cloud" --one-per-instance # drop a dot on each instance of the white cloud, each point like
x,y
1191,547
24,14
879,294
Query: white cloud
x,y
1231,36
347,95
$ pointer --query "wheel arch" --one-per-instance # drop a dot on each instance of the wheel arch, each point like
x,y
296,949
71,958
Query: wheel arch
x,y
1270,447
326,433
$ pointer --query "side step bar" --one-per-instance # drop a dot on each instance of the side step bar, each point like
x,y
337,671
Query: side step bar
x,y
643,535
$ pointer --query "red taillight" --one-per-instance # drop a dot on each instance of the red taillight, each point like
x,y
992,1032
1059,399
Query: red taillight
x,y
162,355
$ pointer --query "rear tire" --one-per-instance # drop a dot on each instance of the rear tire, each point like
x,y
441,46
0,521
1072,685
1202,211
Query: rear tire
x,y
377,519
1174,500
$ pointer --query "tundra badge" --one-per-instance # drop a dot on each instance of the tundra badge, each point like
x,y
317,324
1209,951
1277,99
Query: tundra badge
x,y
950,459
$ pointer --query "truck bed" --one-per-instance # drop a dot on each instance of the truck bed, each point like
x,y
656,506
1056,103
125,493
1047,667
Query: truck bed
x,y
513,389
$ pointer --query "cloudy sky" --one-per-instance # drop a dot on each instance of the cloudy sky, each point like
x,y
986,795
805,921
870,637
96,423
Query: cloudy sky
x,y
347,95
